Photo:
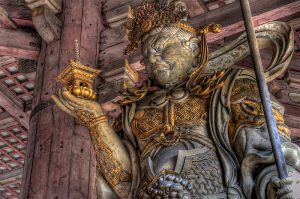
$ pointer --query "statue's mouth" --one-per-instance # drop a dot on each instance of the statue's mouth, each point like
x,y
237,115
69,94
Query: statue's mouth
x,y
159,66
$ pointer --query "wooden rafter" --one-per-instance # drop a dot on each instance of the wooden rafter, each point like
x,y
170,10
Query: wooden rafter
x,y
114,40
11,174
19,44
12,106
5,20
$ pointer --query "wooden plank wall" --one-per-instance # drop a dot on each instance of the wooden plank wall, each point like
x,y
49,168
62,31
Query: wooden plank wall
x,y
60,162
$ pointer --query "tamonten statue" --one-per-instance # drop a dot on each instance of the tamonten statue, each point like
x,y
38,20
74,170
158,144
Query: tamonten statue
x,y
201,133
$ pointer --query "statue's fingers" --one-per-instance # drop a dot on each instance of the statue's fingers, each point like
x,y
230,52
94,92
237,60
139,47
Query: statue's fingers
x,y
276,182
61,105
68,104
67,95
285,182
289,196
284,192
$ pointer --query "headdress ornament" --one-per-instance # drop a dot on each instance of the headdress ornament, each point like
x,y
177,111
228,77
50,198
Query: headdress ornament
x,y
145,17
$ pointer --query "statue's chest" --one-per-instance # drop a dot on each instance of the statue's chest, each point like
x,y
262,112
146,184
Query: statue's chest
x,y
175,138
150,121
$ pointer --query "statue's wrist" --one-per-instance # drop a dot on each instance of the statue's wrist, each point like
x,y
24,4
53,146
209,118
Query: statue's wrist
x,y
96,121
90,119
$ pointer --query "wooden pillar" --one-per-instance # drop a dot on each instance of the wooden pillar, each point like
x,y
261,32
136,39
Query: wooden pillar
x,y
60,162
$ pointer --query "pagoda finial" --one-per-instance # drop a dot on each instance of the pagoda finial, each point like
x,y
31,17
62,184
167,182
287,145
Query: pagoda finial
x,y
78,78
76,51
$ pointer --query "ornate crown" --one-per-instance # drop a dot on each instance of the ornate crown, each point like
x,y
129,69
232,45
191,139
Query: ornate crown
x,y
149,15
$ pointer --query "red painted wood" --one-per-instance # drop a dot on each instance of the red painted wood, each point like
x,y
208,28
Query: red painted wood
x,y
59,162
19,44
14,110
271,15
295,132
5,20
33,126
23,22
19,53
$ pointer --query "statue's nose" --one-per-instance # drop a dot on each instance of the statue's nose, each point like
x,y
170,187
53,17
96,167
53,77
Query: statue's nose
x,y
154,59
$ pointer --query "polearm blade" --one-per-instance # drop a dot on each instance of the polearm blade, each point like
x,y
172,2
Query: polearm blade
x,y
263,90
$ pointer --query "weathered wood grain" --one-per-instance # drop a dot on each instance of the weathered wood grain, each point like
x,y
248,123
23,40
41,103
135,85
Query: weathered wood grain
x,y
13,106
93,175
112,36
116,14
109,5
47,24
195,7
16,10
291,115
5,20
295,132
19,44
11,174
26,180
54,5
59,159
4,115
295,23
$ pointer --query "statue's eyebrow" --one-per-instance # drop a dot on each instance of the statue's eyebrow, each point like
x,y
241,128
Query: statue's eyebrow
x,y
166,40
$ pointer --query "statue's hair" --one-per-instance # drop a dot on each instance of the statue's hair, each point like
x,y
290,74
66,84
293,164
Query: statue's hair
x,y
181,34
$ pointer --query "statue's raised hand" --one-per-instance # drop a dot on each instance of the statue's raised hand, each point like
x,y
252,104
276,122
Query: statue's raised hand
x,y
86,111
281,188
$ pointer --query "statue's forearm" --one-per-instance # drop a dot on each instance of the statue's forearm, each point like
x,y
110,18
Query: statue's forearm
x,y
112,157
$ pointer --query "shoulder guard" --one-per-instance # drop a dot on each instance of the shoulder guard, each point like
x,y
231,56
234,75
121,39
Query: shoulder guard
x,y
247,109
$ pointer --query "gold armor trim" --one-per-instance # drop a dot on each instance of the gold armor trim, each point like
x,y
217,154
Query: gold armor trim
x,y
158,127
110,168
249,110
148,122
132,95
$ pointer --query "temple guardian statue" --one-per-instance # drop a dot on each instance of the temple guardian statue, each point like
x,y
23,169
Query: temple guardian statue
x,y
201,133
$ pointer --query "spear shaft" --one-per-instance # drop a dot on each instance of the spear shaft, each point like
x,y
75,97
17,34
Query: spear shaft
x,y
263,90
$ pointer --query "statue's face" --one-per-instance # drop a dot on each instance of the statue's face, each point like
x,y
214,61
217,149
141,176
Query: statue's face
x,y
169,60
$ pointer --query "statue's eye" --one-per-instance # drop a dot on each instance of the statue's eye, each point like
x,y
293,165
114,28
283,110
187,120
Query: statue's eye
x,y
157,47
194,46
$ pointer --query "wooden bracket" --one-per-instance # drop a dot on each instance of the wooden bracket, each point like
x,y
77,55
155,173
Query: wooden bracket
x,y
5,20
44,19
54,5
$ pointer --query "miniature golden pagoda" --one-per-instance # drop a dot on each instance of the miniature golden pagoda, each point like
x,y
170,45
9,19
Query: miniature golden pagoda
x,y
78,78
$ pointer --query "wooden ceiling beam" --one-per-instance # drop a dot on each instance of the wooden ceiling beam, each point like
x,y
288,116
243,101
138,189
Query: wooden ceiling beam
x,y
15,9
295,23
114,40
4,115
13,106
295,132
19,44
11,174
195,7
5,20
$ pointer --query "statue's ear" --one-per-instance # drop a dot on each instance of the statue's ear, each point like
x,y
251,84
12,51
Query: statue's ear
x,y
194,46
180,6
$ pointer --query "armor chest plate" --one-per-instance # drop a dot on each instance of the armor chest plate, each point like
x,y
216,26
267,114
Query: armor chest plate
x,y
149,121
190,153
